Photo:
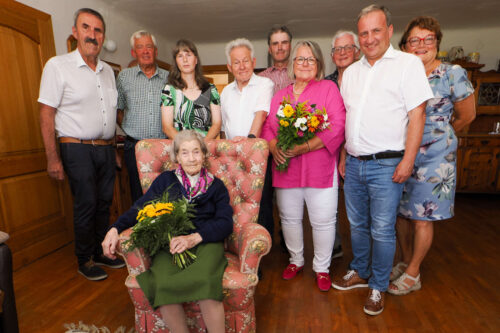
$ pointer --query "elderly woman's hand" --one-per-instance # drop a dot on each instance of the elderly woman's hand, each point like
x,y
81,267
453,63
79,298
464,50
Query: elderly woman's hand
x,y
180,244
109,243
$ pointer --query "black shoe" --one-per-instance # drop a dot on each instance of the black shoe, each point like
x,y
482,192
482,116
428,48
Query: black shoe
x,y
102,260
91,271
337,252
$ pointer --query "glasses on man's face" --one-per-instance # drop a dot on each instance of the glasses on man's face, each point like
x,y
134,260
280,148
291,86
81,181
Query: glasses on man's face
x,y
347,49
415,41
301,60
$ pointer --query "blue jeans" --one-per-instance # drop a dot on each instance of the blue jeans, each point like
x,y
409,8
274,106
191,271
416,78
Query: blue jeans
x,y
372,199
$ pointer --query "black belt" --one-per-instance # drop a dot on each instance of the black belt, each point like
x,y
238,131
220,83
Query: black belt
x,y
382,155
129,138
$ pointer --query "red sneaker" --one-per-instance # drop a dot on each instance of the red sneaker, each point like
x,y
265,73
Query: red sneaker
x,y
323,281
290,271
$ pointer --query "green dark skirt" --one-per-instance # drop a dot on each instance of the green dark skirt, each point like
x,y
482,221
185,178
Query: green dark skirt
x,y
165,283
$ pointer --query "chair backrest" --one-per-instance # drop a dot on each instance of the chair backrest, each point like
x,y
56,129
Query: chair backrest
x,y
240,165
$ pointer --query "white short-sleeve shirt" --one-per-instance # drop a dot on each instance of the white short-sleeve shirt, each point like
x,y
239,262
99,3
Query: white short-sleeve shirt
x,y
239,107
378,98
85,100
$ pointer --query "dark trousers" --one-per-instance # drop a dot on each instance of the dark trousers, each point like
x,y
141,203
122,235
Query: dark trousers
x,y
131,164
8,318
266,218
91,174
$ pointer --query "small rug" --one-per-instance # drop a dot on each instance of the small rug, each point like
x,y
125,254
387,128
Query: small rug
x,y
84,328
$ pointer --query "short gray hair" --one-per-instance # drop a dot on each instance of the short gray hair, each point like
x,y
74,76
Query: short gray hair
x,y
374,8
316,51
237,43
188,135
341,33
139,34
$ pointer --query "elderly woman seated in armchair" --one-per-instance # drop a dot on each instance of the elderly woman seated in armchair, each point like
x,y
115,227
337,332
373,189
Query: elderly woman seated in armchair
x,y
165,285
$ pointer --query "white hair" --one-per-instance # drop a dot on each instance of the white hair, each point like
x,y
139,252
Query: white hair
x,y
139,34
237,43
341,33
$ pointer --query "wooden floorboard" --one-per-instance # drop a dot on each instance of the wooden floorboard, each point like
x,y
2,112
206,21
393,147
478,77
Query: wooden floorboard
x,y
459,287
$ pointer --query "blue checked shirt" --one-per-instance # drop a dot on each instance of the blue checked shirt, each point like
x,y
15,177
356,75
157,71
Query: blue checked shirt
x,y
140,99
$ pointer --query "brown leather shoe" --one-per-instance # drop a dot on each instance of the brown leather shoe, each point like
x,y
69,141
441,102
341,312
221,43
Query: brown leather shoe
x,y
374,304
349,281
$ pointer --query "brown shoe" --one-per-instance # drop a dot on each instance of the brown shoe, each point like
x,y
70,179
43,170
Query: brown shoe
x,y
374,304
349,281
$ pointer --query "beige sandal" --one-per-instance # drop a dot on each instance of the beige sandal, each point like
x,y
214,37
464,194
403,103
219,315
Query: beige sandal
x,y
401,287
397,271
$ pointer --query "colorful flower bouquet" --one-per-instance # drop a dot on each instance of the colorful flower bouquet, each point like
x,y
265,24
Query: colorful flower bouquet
x,y
298,124
158,222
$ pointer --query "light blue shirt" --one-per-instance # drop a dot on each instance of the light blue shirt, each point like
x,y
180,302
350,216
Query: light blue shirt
x,y
140,99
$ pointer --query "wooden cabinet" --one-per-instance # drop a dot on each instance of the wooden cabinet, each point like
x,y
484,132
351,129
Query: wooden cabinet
x,y
478,168
478,153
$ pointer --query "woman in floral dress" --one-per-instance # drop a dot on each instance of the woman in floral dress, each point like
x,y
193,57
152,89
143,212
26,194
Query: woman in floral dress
x,y
430,192
189,101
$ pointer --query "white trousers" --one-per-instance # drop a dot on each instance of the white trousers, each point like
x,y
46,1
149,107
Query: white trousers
x,y
322,210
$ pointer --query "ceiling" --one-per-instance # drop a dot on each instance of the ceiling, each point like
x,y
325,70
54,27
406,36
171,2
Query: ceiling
x,y
223,20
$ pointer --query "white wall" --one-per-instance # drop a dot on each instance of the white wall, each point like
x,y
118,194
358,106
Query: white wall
x,y
118,27
483,40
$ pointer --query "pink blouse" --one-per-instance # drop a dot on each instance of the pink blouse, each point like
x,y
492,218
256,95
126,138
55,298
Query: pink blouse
x,y
313,169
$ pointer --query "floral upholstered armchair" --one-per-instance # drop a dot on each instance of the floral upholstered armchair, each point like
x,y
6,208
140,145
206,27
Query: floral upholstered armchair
x,y
241,166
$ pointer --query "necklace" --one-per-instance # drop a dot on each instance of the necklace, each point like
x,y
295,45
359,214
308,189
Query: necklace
x,y
295,91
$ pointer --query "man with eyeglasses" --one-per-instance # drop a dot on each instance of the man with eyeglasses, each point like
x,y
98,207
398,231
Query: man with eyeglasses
x,y
279,41
385,94
345,51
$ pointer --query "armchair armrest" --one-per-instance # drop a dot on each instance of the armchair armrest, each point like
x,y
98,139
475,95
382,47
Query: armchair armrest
x,y
137,260
255,242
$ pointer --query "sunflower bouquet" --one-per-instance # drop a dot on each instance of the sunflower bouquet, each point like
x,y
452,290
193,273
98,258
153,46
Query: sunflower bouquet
x,y
298,124
158,222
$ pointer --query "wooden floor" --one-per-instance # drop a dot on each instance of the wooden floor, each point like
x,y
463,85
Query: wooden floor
x,y
459,293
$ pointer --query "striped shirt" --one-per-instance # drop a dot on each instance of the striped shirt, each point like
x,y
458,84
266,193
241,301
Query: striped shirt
x,y
279,76
140,99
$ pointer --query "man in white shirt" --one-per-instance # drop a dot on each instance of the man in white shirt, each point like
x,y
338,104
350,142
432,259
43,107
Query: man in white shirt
x,y
245,103
385,94
78,104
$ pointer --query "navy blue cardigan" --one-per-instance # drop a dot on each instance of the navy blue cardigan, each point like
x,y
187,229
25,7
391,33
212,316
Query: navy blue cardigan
x,y
213,218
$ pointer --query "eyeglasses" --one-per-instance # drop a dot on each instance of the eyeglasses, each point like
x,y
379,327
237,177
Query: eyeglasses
x,y
415,41
300,60
347,49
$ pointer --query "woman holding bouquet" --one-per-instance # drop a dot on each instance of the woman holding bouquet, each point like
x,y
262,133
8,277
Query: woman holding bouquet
x,y
310,176
189,101
165,284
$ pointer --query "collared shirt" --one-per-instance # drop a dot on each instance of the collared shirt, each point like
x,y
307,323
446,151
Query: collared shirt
x,y
239,107
140,99
334,77
279,76
378,98
85,100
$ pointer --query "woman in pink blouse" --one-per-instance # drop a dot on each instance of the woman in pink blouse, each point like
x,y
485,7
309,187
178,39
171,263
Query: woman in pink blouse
x,y
311,176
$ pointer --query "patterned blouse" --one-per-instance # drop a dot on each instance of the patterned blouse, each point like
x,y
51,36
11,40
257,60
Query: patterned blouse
x,y
189,114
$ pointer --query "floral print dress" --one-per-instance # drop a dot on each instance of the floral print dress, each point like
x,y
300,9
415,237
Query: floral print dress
x,y
429,193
